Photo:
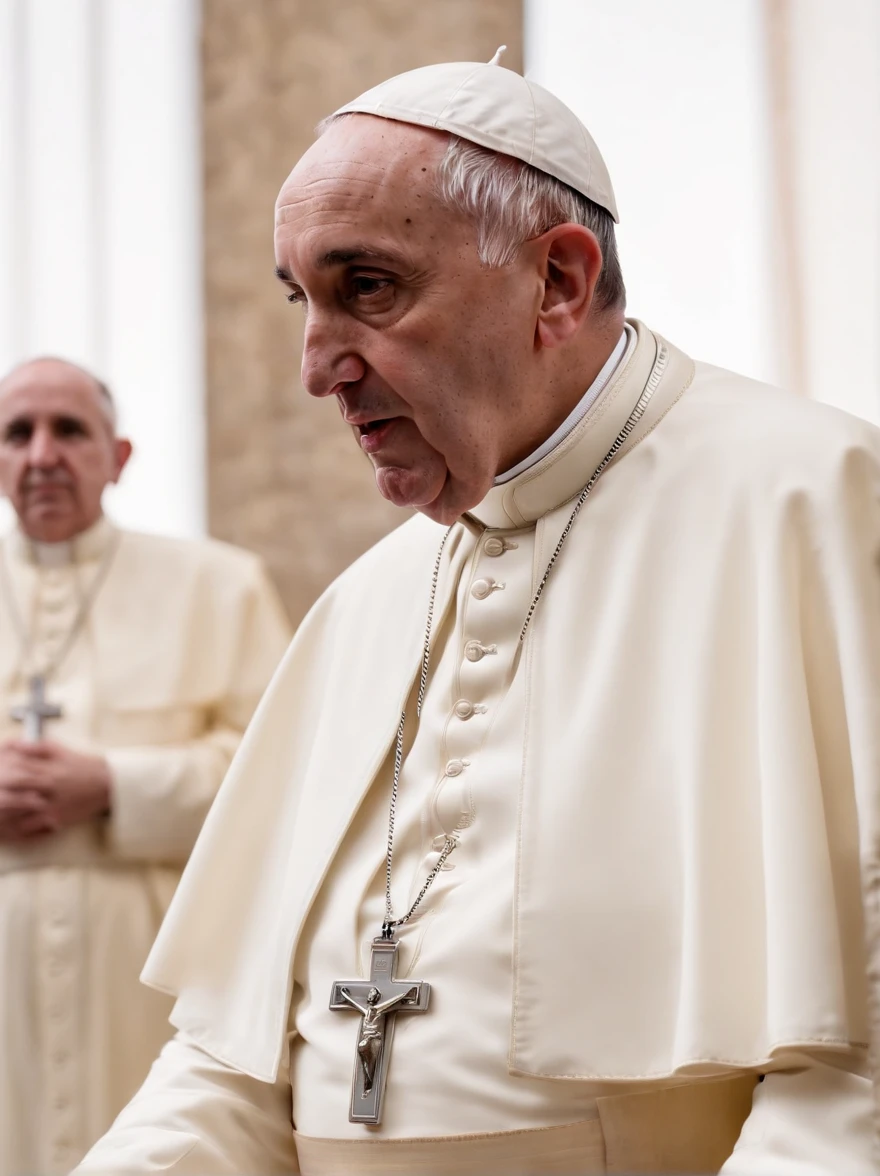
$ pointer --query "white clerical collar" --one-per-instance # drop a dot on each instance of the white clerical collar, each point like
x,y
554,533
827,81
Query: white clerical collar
x,y
579,411
52,555
87,545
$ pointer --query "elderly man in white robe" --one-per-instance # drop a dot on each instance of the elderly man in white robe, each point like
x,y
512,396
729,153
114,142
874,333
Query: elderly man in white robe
x,y
543,851
129,667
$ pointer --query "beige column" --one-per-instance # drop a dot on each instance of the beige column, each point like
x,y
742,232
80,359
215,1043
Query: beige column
x,y
285,478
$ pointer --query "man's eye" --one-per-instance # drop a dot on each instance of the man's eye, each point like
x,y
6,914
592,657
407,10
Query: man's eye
x,y
67,427
17,434
363,286
296,297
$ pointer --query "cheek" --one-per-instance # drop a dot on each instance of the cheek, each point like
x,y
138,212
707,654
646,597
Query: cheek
x,y
12,469
90,473
454,369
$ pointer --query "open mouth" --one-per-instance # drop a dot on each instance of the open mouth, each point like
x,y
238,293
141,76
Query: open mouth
x,y
373,434
373,426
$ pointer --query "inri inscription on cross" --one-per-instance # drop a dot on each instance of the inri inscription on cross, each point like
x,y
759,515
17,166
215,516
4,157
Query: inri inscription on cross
x,y
34,713
378,1000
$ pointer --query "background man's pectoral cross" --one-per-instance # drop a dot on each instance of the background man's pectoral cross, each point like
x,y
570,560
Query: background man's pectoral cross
x,y
34,713
378,1000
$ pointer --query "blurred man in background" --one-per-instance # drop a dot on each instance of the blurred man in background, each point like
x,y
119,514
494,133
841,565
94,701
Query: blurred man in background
x,y
129,667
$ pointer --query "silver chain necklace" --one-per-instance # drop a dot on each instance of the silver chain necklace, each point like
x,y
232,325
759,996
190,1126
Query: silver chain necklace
x,y
389,923
24,635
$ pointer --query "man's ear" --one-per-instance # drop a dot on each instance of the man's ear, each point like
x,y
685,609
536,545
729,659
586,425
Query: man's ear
x,y
570,258
123,453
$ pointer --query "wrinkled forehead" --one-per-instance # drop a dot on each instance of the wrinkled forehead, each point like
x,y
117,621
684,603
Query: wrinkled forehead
x,y
52,390
363,165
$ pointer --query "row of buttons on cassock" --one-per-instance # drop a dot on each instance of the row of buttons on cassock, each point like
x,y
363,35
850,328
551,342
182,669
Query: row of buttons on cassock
x,y
475,651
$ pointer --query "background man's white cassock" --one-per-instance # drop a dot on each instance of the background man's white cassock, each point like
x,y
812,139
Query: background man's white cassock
x,y
660,815
162,680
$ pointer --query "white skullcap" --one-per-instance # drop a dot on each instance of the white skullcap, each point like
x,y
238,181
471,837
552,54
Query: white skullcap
x,y
496,108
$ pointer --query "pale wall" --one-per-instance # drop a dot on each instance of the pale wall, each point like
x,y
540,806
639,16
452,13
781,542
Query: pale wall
x,y
675,97
747,172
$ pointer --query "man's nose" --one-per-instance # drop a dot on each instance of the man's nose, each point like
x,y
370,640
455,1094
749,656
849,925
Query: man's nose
x,y
43,449
328,359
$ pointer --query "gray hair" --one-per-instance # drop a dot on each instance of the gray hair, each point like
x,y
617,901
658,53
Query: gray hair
x,y
510,202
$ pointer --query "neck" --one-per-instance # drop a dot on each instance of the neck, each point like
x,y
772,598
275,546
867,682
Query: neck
x,y
55,535
33,545
566,389
582,406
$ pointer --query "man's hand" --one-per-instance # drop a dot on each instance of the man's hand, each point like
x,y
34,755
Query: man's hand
x,y
45,787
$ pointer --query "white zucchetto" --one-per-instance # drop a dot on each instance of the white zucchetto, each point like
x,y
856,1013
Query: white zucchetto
x,y
496,108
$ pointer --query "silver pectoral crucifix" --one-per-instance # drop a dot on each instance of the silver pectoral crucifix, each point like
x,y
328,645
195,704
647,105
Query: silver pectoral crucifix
x,y
378,1000
34,713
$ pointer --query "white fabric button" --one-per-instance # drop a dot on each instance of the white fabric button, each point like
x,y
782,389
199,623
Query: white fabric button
x,y
494,546
474,651
483,588
463,709
455,767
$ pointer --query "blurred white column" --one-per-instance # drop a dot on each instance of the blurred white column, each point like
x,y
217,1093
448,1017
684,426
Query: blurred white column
x,y
673,93
100,225
715,123
834,123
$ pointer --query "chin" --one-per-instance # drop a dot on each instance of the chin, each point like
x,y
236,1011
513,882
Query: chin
x,y
50,526
451,503
442,499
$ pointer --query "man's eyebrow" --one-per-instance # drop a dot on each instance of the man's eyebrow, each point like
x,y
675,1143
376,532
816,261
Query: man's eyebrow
x,y
356,253
336,257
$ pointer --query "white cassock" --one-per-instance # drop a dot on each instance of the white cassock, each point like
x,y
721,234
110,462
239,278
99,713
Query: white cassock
x,y
660,803
181,641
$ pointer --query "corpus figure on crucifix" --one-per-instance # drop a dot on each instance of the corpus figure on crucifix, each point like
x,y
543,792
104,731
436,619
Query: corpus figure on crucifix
x,y
372,1036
